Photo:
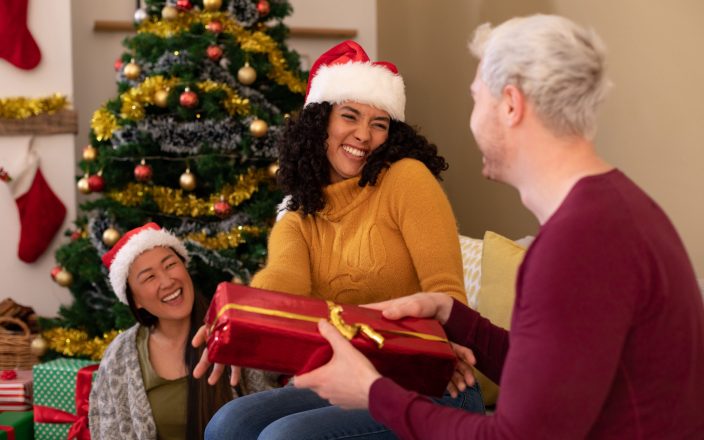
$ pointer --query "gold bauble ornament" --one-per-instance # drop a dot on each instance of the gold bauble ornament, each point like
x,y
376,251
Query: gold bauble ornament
x,y
212,5
161,98
83,185
272,169
90,153
64,278
111,236
187,180
38,346
258,128
132,70
246,74
237,279
169,13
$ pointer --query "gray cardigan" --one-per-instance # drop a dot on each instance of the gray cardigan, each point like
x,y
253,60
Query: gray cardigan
x,y
119,407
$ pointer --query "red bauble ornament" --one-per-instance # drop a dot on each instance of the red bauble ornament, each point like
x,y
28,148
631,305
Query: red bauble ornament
x,y
263,8
214,26
118,64
214,52
188,98
96,183
143,172
75,235
184,4
55,272
222,208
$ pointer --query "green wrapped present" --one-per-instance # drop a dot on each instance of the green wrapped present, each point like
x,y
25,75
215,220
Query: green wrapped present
x,y
61,390
16,425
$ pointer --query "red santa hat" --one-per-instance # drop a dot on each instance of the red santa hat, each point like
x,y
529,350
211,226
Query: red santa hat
x,y
345,73
131,245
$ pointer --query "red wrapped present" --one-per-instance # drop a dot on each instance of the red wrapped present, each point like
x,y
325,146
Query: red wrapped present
x,y
277,331
15,390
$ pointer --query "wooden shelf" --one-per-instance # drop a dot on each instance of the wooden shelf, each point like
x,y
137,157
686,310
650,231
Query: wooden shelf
x,y
63,121
295,32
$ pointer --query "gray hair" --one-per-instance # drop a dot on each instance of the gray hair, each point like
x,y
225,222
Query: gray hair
x,y
558,65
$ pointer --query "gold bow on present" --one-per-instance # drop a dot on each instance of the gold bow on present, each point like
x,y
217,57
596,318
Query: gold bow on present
x,y
349,331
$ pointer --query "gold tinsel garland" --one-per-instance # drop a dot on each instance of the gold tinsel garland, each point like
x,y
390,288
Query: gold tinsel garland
x,y
255,41
225,240
104,123
176,202
76,343
234,104
23,108
134,100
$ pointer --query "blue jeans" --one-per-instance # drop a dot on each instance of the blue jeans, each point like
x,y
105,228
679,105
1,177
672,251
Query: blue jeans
x,y
299,414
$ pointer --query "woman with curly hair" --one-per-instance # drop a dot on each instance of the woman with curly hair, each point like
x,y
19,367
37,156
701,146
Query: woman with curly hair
x,y
366,220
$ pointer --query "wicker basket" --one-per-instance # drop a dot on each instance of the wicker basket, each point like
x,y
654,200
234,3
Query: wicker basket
x,y
15,348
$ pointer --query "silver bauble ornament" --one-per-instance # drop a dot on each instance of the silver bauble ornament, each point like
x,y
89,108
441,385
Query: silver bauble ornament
x,y
140,15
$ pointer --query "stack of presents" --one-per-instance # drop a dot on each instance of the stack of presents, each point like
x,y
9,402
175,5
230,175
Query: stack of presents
x,y
41,401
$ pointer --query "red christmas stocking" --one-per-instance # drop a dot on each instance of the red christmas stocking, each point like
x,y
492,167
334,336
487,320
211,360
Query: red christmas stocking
x,y
18,45
41,212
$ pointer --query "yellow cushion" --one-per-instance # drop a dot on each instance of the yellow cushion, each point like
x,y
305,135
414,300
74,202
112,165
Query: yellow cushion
x,y
501,258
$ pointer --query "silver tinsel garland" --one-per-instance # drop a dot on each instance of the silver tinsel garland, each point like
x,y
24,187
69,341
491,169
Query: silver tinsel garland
x,y
166,61
244,11
189,226
188,138
214,259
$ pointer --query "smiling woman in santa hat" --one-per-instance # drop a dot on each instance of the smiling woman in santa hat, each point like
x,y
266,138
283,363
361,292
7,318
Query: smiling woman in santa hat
x,y
365,220
143,388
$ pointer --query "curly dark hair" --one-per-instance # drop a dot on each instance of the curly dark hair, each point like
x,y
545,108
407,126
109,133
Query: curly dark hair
x,y
304,169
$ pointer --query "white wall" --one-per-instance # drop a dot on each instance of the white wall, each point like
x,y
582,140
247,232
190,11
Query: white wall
x,y
359,15
31,284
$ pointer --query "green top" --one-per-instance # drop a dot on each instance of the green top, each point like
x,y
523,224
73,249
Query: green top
x,y
167,398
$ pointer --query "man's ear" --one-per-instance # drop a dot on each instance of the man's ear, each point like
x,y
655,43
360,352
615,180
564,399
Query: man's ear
x,y
513,105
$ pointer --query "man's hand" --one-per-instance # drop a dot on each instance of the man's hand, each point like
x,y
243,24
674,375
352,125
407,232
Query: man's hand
x,y
436,306
463,376
345,380
420,305
204,364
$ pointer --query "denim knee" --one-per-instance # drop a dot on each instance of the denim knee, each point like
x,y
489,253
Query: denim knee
x,y
231,422
469,400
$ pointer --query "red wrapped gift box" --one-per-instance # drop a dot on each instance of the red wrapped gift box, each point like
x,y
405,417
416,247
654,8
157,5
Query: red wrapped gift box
x,y
15,390
277,331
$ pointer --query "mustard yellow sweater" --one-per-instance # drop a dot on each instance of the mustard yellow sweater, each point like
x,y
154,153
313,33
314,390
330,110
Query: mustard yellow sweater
x,y
369,244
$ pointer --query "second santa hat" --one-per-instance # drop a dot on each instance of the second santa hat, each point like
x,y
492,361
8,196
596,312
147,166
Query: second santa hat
x,y
345,73
119,259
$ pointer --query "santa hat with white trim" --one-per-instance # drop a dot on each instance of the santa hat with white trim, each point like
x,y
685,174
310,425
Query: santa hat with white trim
x,y
345,73
131,245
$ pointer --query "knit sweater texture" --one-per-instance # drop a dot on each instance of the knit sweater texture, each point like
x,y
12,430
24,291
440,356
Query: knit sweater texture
x,y
370,243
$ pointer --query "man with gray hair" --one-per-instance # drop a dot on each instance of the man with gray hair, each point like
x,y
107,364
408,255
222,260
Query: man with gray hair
x,y
607,332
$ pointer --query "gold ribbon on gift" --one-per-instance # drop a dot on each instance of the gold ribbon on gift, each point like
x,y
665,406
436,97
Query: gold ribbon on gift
x,y
349,331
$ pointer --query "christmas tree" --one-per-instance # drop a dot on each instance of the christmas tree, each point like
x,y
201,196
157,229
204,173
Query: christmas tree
x,y
189,142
